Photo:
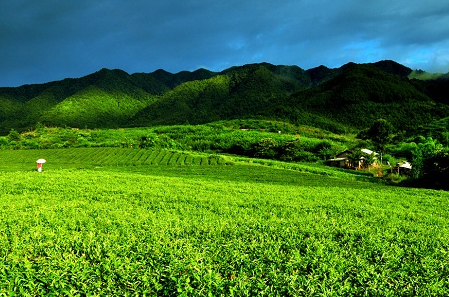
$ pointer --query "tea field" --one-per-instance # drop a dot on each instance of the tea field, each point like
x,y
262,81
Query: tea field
x,y
129,222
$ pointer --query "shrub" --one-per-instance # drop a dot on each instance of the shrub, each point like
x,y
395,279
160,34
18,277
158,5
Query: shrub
x,y
3,142
266,148
28,144
305,156
290,150
325,150
14,135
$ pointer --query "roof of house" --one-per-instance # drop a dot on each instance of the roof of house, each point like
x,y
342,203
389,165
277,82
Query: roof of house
x,y
369,152
337,159
405,165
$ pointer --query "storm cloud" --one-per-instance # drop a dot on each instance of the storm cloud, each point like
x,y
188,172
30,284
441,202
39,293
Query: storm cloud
x,y
49,40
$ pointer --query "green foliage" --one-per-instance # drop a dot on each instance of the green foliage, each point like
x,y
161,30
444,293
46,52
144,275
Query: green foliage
x,y
368,159
266,148
14,135
326,149
291,151
389,159
213,230
429,160
417,161
4,142
354,158
214,138
359,159
380,133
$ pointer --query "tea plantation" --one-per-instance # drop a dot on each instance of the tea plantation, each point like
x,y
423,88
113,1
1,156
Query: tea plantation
x,y
132,222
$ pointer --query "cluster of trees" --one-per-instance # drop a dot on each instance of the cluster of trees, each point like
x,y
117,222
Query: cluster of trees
x,y
292,150
430,160
428,156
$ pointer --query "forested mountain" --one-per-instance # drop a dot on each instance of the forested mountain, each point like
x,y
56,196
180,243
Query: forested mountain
x,y
360,94
346,98
107,98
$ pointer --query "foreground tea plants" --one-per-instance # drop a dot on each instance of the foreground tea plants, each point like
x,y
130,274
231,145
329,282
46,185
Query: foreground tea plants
x,y
218,230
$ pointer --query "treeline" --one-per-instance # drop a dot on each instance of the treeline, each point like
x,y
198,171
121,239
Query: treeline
x,y
256,142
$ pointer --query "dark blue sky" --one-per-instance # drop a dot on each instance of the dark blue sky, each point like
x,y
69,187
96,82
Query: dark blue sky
x,y
48,40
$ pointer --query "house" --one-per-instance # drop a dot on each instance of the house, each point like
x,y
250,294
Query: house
x,y
337,162
403,167
344,158
341,160
368,152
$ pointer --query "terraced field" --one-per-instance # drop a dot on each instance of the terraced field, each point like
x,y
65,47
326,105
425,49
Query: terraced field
x,y
103,156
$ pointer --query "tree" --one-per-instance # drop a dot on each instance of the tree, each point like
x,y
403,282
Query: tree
x,y
354,158
368,159
266,148
380,133
290,150
428,157
14,135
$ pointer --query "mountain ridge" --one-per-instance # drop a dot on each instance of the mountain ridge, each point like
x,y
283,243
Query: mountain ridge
x,y
326,97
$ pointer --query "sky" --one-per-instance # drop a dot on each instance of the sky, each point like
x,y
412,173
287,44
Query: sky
x,y
48,40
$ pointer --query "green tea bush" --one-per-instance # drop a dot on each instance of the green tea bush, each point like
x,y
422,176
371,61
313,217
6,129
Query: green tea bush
x,y
30,144
4,142
215,231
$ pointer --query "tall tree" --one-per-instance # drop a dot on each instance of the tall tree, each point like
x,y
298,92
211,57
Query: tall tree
x,y
380,134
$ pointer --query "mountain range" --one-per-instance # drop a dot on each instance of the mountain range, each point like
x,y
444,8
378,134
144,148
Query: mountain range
x,y
348,98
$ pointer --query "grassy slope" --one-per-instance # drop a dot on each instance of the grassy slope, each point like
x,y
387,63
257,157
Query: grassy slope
x,y
94,107
225,230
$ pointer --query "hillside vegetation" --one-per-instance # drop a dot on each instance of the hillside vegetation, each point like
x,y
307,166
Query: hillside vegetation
x,y
341,100
104,221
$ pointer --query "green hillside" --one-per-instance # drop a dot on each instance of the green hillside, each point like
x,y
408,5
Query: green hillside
x,y
344,99
363,93
107,98
239,92
217,183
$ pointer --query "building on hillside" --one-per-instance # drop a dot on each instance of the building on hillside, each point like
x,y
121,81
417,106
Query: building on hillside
x,y
403,168
368,152
344,159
